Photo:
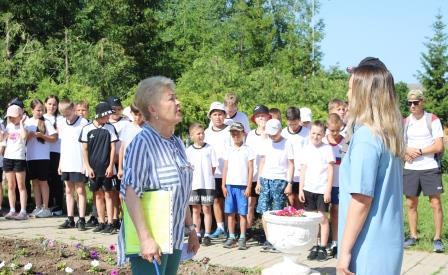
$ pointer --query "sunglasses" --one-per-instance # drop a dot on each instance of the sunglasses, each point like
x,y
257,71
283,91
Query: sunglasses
x,y
414,102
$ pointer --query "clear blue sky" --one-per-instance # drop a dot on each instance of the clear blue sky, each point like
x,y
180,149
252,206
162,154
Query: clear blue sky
x,y
392,30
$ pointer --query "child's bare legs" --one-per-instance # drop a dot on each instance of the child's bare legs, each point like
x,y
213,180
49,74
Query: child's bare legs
x,y
231,225
116,204
243,226
252,201
70,191
100,206
45,192
22,190
324,230
218,204
82,200
11,178
197,217
37,193
334,210
207,210
109,205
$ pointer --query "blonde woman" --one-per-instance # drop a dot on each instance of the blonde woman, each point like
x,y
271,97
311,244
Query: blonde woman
x,y
371,180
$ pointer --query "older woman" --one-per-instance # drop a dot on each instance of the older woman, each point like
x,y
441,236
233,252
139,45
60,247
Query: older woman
x,y
371,182
155,154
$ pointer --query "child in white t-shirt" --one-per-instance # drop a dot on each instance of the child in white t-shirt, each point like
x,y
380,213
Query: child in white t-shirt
x,y
316,183
339,107
203,159
236,184
2,150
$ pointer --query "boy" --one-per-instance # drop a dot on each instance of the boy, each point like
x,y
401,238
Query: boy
x,y
98,143
217,135
203,158
275,113
236,184
231,102
315,183
336,140
71,166
82,109
275,173
298,137
306,117
339,107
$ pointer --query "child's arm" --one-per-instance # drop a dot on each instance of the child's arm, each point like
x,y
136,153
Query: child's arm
x,y
110,168
302,183
224,178
85,157
260,170
23,131
250,173
289,177
327,194
120,162
48,138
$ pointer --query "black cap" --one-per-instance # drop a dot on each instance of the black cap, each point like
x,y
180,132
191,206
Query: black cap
x,y
102,109
369,61
114,102
260,109
16,101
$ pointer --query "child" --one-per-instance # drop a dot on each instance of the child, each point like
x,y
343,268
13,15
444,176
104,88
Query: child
x,y
82,109
298,137
275,173
71,166
315,183
2,150
98,143
203,158
275,113
217,135
306,117
40,134
336,140
231,102
14,161
236,184
337,106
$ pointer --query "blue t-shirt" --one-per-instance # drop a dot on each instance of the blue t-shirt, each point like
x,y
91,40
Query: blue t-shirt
x,y
370,169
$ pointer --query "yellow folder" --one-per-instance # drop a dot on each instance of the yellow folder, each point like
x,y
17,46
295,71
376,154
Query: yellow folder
x,y
158,215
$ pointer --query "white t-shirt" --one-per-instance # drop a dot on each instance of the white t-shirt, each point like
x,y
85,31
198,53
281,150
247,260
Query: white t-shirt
x,y
219,140
298,141
119,126
276,156
238,164
338,155
36,150
316,160
128,133
71,149
56,146
419,136
257,143
3,143
239,117
203,160
15,145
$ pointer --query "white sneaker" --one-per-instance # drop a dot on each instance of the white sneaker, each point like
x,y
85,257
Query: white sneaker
x,y
35,211
44,213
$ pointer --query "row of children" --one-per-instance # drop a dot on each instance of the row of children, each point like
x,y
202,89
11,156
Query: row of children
x,y
240,171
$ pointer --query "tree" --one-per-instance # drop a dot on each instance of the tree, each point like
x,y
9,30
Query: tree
x,y
434,77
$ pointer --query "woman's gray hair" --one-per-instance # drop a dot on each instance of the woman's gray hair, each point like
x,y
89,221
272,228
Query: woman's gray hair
x,y
149,92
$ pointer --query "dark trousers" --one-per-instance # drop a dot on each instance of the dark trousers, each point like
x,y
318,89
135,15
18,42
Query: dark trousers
x,y
55,183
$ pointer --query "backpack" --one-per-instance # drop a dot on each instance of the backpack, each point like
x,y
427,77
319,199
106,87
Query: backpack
x,y
428,118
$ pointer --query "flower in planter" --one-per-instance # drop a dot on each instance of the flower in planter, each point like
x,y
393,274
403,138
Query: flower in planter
x,y
12,266
78,245
95,265
51,243
112,248
290,212
68,270
115,271
28,268
94,254
2,264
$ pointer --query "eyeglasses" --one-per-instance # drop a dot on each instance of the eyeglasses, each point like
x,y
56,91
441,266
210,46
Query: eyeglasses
x,y
414,102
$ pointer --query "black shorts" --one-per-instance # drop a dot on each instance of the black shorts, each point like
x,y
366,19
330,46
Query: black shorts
x,y
73,177
315,202
38,169
202,197
14,165
415,181
103,183
218,188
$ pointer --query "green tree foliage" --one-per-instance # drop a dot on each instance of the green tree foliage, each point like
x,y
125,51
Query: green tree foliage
x,y
434,77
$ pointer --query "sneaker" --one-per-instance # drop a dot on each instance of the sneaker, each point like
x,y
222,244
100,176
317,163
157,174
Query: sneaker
x,y
2,213
334,251
35,212
266,245
117,225
242,244
67,224
92,222
438,246
44,213
199,239
313,253
322,254
10,215
57,213
218,233
206,241
230,243
410,242
108,229
21,216
100,227
81,225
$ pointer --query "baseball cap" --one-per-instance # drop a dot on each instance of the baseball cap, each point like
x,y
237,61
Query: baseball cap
x,y
369,61
416,95
114,101
259,109
306,114
14,111
16,101
102,109
273,127
237,126
216,106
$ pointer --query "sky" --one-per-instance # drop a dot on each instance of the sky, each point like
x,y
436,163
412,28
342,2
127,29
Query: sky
x,y
393,30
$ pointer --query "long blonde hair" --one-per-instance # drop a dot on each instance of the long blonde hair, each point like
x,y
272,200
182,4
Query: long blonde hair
x,y
374,103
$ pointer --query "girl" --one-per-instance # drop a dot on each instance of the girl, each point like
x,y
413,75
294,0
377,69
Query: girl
x,y
40,134
14,163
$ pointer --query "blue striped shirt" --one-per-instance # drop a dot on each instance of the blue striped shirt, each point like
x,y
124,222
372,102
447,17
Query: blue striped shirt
x,y
153,162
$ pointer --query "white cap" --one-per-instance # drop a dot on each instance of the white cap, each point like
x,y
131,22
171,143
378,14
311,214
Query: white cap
x,y
305,114
273,127
216,106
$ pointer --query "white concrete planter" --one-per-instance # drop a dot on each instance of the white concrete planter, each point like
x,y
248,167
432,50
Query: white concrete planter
x,y
291,236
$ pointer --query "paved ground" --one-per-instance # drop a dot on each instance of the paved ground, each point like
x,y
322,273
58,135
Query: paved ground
x,y
415,263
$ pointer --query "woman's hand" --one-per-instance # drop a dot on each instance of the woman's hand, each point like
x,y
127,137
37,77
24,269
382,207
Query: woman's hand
x,y
150,250
343,263
193,242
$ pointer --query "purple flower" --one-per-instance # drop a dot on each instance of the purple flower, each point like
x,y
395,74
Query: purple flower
x,y
78,246
112,248
115,272
51,243
94,254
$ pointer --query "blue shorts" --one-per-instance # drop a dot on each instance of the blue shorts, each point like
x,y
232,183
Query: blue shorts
x,y
335,195
272,196
235,201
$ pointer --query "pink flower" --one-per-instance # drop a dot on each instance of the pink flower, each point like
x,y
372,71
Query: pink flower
x,y
112,248
51,243
290,212
115,272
